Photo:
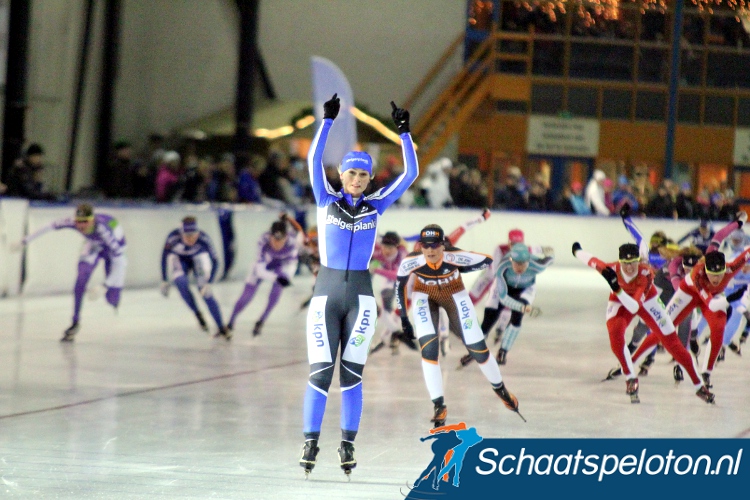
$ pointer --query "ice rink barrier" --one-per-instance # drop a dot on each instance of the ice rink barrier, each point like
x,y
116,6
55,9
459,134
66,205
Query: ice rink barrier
x,y
50,261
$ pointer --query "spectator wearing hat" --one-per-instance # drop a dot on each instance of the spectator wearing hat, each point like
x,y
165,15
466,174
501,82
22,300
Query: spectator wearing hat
x,y
661,205
512,195
436,183
594,196
634,294
623,194
26,176
571,201
685,203
168,177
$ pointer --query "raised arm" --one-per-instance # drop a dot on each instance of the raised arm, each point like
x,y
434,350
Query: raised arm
x,y
321,189
633,230
725,231
386,196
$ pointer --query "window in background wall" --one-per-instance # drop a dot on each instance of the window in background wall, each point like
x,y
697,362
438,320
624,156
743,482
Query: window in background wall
x,y
742,186
712,176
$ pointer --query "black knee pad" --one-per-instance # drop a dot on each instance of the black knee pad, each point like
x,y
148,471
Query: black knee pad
x,y
479,351
321,375
430,347
516,317
346,377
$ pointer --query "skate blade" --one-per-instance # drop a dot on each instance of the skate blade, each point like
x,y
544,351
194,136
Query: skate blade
x,y
635,399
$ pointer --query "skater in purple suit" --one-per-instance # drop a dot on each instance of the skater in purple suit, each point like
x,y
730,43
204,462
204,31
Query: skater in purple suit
x,y
105,240
278,255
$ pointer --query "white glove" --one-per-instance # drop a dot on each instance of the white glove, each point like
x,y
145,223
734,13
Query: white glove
x,y
15,247
548,251
206,291
164,288
532,311
742,216
718,303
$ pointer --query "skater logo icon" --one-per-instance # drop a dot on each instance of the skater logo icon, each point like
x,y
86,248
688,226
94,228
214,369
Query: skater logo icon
x,y
357,341
422,313
318,314
466,315
443,474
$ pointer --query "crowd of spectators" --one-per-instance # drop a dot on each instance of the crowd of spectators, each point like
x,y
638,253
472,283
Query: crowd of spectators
x,y
445,184
162,175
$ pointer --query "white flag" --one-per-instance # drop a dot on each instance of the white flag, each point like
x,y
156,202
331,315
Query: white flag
x,y
328,79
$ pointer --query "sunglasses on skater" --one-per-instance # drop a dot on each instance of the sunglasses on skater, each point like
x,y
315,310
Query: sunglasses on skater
x,y
436,244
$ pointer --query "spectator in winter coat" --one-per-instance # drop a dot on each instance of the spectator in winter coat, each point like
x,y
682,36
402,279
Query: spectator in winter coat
x,y
594,194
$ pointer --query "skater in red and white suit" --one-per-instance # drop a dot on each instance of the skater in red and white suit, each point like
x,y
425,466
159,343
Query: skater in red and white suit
x,y
704,288
634,294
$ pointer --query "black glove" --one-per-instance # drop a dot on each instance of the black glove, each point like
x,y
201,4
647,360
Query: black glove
x,y
407,328
576,247
625,210
611,276
283,281
740,218
400,118
331,108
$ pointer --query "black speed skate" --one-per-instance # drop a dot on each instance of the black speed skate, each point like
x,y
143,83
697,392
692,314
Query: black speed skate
x,y
70,333
678,375
707,379
721,355
612,374
706,395
502,356
631,389
646,365
736,348
440,415
201,321
309,454
465,360
346,454
508,399
257,329
224,333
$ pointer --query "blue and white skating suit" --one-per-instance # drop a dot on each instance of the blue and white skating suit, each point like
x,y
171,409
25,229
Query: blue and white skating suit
x,y
695,237
342,310
655,259
178,259
106,242
274,263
